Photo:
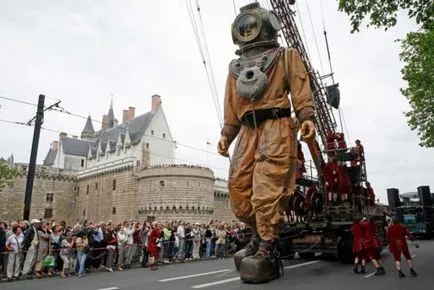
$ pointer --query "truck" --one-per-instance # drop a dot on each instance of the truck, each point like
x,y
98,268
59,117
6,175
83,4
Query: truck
x,y
315,223
416,213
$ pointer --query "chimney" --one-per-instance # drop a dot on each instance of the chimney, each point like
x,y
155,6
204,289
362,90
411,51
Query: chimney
x,y
55,145
156,102
125,116
62,135
132,112
104,122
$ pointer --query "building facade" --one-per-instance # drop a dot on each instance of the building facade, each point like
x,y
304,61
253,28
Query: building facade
x,y
123,171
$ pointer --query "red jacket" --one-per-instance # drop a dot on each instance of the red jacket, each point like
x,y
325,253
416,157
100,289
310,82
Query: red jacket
x,y
371,240
331,176
344,180
330,141
152,245
358,237
396,234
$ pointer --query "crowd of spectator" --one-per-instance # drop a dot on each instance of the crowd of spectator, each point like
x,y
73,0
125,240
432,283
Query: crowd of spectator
x,y
45,248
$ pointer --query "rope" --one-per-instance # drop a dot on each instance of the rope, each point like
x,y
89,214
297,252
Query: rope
x,y
314,35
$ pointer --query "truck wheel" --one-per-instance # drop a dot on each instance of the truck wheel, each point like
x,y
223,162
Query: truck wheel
x,y
345,250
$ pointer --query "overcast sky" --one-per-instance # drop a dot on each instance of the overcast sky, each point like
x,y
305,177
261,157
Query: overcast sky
x,y
83,52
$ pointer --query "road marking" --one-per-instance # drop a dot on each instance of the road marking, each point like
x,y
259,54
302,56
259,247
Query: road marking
x,y
302,264
373,273
238,278
370,275
215,283
109,288
193,275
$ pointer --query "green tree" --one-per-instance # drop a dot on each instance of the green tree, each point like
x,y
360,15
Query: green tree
x,y
7,173
417,54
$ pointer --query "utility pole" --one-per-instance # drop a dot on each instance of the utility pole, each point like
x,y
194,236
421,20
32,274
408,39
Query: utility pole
x,y
32,164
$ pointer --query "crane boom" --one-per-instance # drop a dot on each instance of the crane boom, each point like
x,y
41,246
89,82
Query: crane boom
x,y
325,120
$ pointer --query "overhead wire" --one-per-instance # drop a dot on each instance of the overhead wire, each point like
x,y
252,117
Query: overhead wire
x,y
207,54
314,36
203,49
62,110
302,31
134,149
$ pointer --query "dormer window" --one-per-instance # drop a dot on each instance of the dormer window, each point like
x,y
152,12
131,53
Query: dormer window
x,y
152,132
147,145
164,135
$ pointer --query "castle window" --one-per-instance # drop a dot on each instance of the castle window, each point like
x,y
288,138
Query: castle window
x,y
96,186
152,132
147,145
49,197
48,213
87,189
82,162
84,212
114,210
78,190
114,184
162,183
164,135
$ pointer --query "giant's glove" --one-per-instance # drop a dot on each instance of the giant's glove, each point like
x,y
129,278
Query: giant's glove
x,y
223,146
307,131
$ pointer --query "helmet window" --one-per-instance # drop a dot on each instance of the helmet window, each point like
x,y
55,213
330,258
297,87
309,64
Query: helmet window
x,y
247,26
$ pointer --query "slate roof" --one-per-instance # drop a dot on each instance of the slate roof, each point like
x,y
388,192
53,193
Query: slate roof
x,y
74,146
136,129
89,126
80,147
51,156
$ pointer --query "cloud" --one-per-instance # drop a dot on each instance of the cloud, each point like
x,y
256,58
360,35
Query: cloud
x,y
84,52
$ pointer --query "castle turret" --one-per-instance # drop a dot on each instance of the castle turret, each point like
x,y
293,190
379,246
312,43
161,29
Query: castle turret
x,y
88,130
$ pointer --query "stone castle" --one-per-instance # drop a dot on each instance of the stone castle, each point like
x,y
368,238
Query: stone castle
x,y
123,171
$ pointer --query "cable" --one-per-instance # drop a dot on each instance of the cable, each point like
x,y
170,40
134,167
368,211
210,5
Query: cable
x,y
302,31
314,35
18,101
210,76
235,7
217,102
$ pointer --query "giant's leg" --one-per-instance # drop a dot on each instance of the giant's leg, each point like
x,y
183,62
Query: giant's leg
x,y
273,182
240,188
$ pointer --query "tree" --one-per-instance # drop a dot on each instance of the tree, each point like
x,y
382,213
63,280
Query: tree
x,y
7,173
417,54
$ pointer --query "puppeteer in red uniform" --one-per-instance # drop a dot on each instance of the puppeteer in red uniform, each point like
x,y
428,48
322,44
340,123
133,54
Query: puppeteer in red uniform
x,y
344,181
396,235
331,179
359,250
301,168
373,246
370,195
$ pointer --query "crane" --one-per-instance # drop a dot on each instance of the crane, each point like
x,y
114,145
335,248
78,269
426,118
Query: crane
x,y
325,120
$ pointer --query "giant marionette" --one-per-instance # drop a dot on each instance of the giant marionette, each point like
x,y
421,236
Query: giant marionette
x,y
257,110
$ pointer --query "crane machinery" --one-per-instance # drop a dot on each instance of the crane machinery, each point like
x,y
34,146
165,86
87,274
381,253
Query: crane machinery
x,y
317,223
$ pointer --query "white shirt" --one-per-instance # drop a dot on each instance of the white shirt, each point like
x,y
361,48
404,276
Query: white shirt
x,y
15,242
180,232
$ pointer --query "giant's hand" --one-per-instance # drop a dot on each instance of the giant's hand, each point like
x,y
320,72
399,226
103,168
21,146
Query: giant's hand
x,y
223,146
307,131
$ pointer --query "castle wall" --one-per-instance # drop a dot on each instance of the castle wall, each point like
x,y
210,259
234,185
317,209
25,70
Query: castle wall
x,y
107,195
176,193
187,193
52,196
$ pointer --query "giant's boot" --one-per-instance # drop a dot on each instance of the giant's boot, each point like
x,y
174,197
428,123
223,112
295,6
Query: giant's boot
x,y
251,249
264,266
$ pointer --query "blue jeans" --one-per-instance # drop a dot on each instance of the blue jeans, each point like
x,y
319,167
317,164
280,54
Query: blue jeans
x,y
208,248
81,262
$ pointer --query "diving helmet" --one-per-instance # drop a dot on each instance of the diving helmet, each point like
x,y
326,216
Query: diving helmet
x,y
255,24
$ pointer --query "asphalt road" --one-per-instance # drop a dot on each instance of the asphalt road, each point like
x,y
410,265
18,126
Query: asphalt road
x,y
220,274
